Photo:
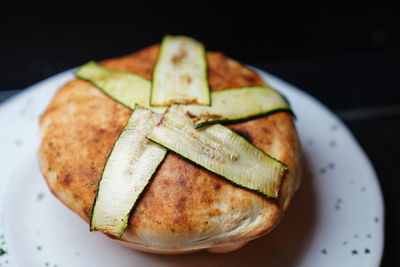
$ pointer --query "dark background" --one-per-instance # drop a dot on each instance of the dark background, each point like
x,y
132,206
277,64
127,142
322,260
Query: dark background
x,y
348,57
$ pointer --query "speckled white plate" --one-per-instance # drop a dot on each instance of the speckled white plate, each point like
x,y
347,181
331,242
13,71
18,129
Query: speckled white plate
x,y
336,218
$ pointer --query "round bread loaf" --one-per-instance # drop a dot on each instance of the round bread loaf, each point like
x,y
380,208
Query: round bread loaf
x,y
184,208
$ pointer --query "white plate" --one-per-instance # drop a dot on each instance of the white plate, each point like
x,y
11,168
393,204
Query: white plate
x,y
336,218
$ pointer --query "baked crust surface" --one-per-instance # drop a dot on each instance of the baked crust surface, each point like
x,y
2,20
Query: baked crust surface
x,y
184,207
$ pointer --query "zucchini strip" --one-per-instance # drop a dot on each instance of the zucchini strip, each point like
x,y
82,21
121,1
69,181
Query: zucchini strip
x,y
180,74
221,151
128,170
237,104
124,87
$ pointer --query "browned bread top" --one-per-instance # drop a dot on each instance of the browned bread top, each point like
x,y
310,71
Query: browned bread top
x,y
184,207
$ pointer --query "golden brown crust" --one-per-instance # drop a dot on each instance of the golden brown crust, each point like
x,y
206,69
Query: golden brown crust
x,y
185,207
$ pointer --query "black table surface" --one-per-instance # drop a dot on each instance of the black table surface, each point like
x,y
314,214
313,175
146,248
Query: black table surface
x,y
348,58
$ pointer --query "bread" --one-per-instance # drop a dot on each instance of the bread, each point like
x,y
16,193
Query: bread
x,y
184,208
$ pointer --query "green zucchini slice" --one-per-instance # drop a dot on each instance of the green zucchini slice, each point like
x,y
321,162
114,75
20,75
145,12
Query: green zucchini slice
x,y
129,168
126,88
221,151
237,104
180,74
